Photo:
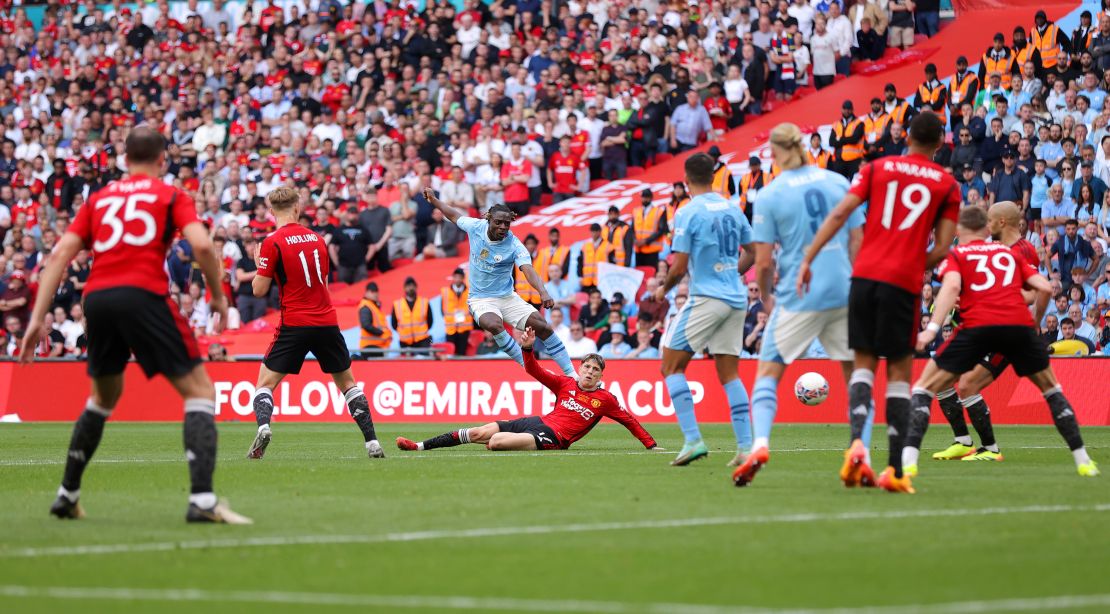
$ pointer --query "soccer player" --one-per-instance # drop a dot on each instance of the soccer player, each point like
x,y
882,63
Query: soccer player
x,y
129,225
1004,224
579,406
708,236
298,258
788,213
910,196
987,279
494,251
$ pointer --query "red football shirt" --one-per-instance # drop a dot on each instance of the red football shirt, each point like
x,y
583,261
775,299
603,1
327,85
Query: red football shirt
x,y
906,195
578,411
1027,251
298,259
580,144
565,170
129,224
991,278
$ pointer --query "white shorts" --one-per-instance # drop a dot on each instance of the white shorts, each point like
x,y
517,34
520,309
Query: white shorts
x,y
512,309
705,322
790,333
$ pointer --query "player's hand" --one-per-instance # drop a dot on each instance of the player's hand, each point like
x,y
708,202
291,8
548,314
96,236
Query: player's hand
x,y
527,338
804,277
30,342
547,301
660,294
429,195
218,306
924,338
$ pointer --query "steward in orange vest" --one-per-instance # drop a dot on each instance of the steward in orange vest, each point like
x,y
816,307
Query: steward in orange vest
x,y
374,333
555,254
998,59
1024,52
412,318
965,85
1081,36
594,250
679,198
847,142
457,321
1049,40
933,93
899,110
618,234
649,223
874,127
722,177
752,182
522,287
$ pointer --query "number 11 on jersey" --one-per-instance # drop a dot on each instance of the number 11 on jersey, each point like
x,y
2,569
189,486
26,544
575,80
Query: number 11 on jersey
x,y
316,261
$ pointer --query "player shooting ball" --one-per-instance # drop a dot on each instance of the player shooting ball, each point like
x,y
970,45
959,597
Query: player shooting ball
x,y
579,406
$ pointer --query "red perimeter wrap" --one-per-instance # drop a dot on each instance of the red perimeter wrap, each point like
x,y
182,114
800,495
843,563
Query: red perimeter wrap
x,y
478,391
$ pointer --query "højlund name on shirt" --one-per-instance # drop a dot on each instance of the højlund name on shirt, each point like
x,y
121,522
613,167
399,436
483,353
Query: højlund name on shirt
x,y
295,239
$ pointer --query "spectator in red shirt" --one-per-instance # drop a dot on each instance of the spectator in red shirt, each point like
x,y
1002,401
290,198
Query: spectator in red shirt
x,y
564,172
515,173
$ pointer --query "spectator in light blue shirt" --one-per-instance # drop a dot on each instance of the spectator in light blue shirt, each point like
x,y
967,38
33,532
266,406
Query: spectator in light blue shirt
x,y
1057,209
688,123
561,290
1039,184
616,348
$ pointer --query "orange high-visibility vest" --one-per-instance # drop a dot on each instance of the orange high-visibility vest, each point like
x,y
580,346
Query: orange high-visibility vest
x,y
412,324
899,112
645,222
961,88
851,151
721,180
672,209
822,159
546,258
1046,43
367,340
525,289
873,127
615,239
1003,66
1023,56
748,183
591,255
936,99
456,315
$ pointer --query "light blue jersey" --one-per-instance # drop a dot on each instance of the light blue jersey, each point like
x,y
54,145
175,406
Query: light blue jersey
x,y
711,231
491,262
789,212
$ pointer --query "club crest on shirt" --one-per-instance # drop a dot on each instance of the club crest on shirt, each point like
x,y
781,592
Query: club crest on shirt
x,y
719,267
497,257
595,402
484,254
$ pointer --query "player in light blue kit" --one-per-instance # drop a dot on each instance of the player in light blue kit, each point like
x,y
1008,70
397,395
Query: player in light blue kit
x,y
788,212
708,235
494,251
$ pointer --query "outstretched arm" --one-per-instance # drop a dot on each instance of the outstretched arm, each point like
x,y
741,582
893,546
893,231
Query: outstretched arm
x,y
628,421
449,212
550,380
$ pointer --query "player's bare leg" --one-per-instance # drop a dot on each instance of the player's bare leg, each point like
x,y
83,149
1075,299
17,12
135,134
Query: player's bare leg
x,y
87,432
1064,417
477,434
674,375
359,409
511,441
856,470
494,325
932,381
551,344
200,448
263,404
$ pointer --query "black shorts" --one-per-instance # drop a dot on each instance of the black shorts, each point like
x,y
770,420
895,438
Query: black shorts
x,y
996,364
291,344
882,319
546,439
125,321
1020,345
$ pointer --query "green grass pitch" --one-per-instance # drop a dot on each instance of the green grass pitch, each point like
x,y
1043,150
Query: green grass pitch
x,y
605,527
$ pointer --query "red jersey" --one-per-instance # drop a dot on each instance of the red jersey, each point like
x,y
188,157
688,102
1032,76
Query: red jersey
x,y
129,224
565,170
906,195
516,191
1027,251
991,279
579,144
298,259
578,411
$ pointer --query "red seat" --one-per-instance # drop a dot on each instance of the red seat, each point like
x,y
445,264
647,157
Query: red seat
x,y
400,262
662,157
634,171
445,349
545,200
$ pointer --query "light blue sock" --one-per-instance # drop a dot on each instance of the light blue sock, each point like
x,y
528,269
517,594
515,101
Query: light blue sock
x,y
558,352
765,403
683,403
507,344
867,426
739,408
539,348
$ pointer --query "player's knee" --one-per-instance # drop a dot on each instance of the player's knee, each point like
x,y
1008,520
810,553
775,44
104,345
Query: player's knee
x,y
497,443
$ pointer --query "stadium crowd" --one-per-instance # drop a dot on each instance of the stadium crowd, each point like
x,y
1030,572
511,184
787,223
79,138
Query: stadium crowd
x,y
361,106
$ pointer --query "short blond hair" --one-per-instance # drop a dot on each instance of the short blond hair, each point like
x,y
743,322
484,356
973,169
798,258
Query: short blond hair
x,y
788,137
283,198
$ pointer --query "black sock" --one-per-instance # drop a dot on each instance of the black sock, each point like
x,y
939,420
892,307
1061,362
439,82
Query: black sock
x,y
859,401
953,411
82,445
897,419
263,405
448,440
918,425
980,416
200,443
1064,417
360,411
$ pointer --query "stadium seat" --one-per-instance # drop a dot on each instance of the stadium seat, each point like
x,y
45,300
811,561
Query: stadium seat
x,y
634,171
545,200
445,349
400,262
662,157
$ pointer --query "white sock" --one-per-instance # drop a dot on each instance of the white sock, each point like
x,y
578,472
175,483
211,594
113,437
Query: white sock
x,y
992,448
203,500
263,427
1081,457
909,456
370,442
71,496
761,442
964,440
420,446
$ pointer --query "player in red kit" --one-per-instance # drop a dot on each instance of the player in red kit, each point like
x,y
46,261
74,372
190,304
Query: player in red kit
x,y
129,225
987,279
1004,221
579,406
910,197
297,258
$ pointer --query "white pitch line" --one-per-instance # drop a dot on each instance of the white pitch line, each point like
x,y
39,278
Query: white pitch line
x,y
432,455
462,602
415,536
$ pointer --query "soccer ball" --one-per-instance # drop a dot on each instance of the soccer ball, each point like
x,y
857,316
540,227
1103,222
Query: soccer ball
x,y
811,388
